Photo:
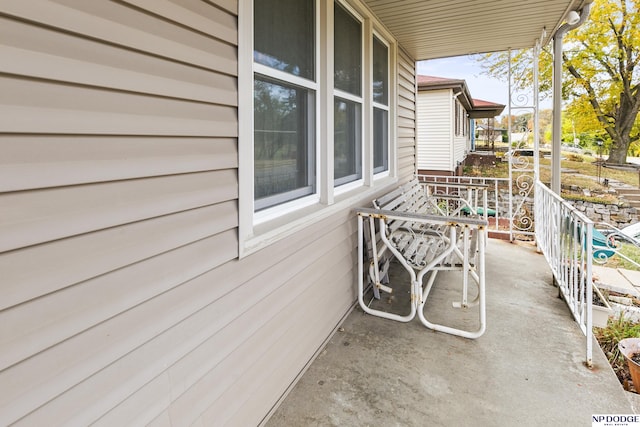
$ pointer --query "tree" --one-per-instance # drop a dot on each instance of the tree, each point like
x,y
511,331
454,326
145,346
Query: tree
x,y
601,63
582,121
545,121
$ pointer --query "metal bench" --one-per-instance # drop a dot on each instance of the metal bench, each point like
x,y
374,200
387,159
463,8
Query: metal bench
x,y
426,232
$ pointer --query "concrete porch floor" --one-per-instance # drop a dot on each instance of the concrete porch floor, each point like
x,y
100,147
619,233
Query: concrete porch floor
x,y
526,370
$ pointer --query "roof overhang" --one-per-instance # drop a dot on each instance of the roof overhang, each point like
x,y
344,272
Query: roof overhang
x,y
485,109
430,29
458,86
476,108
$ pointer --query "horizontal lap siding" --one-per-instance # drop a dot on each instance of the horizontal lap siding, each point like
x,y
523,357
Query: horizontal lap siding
x,y
406,133
288,336
118,198
296,294
209,346
459,149
31,162
434,130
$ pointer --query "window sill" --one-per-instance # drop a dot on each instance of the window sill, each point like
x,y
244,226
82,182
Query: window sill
x,y
272,231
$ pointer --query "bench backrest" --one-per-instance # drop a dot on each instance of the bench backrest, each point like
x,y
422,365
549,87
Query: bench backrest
x,y
415,197
430,199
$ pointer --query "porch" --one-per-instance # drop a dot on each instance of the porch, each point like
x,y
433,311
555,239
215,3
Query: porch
x,y
527,369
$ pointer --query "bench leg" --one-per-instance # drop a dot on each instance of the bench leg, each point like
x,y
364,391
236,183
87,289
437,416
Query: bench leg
x,y
478,277
418,296
363,305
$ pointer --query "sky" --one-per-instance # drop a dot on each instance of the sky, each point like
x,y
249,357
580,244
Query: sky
x,y
467,68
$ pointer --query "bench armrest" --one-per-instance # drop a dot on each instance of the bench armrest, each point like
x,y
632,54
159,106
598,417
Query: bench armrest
x,y
423,218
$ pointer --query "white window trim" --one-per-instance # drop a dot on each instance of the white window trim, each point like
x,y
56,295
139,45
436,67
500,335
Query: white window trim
x,y
288,78
387,107
338,93
284,76
258,230
307,85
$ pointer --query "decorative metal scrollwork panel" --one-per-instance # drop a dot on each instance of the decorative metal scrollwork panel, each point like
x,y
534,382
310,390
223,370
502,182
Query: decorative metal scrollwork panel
x,y
522,154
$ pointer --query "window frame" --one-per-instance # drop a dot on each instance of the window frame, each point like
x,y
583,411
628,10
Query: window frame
x,y
356,177
296,198
349,181
312,147
384,107
259,229
456,116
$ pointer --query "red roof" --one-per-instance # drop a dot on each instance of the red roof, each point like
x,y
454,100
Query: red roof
x,y
479,103
433,80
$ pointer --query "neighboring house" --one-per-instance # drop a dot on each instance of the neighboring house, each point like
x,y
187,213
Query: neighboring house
x,y
177,184
489,134
445,123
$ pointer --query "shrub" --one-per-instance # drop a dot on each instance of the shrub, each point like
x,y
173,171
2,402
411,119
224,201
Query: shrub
x,y
608,337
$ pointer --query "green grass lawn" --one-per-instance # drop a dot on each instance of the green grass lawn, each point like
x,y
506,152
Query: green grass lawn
x,y
586,166
584,177
629,250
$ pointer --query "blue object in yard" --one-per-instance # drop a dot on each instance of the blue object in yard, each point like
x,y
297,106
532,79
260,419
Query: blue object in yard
x,y
600,247
479,211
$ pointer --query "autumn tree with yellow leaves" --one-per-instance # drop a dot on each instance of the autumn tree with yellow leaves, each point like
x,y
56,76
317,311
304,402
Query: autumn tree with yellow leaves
x,y
601,61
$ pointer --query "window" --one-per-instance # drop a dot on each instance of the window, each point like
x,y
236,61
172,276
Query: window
x,y
284,36
380,106
456,118
347,141
461,120
318,87
283,142
284,101
347,118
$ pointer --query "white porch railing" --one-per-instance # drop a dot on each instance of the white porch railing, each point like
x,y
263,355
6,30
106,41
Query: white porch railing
x,y
565,237
498,202
568,239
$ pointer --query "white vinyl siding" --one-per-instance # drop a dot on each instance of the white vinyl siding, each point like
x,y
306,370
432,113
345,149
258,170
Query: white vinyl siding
x,y
118,193
459,150
123,301
406,116
435,130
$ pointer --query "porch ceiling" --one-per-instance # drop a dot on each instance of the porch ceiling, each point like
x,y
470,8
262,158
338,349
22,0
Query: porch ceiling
x,y
431,29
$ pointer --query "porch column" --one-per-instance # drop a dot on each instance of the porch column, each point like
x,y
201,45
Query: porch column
x,y
557,94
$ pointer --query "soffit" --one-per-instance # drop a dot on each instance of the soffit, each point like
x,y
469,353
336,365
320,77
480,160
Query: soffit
x,y
430,29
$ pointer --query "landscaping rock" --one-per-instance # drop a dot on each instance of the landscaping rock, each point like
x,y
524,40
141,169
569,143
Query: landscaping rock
x,y
615,215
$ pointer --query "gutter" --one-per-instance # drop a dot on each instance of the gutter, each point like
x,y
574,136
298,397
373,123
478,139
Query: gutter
x,y
557,94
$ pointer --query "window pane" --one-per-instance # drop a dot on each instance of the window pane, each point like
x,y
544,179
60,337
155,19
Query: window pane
x,y
283,142
284,35
380,140
380,72
347,51
347,141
